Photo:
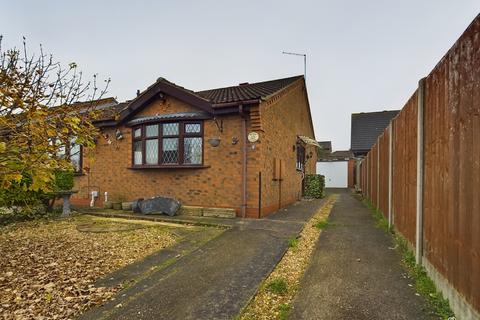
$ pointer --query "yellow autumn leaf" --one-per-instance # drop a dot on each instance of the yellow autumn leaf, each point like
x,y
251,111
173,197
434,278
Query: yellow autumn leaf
x,y
17,177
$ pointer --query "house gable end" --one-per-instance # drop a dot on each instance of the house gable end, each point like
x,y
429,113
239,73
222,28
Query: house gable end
x,y
159,91
274,100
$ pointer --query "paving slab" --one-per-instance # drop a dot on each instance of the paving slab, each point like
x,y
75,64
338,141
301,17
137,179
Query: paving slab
x,y
216,280
355,273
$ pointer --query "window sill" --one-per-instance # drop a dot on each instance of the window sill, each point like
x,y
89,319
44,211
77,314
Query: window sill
x,y
169,167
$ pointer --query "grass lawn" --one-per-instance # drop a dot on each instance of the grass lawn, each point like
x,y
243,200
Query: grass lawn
x,y
48,268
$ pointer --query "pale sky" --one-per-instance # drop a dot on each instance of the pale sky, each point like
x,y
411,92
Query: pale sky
x,y
362,55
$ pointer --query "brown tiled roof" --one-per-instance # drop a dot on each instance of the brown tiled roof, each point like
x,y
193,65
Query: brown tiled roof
x,y
246,91
206,100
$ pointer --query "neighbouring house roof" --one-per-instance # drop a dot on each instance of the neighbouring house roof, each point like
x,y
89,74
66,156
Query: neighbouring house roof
x,y
98,104
339,155
246,91
109,107
112,112
325,146
367,127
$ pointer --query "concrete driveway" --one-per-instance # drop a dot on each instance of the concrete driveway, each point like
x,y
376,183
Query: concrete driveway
x,y
355,273
213,281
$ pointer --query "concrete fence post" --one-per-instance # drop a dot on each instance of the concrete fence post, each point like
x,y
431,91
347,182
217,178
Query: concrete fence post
x,y
390,173
419,206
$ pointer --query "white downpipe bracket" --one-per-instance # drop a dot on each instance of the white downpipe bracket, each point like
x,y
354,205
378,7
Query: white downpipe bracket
x,y
419,207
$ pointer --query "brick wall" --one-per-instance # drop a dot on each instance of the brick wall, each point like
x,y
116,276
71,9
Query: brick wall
x,y
283,119
216,186
220,184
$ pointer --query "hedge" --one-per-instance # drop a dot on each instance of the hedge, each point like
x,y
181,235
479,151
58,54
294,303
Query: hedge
x,y
314,186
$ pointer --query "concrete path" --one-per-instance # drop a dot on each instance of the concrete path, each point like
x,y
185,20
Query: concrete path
x,y
354,273
216,280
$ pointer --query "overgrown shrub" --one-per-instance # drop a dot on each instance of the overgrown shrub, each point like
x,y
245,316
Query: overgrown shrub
x,y
19,195
314,186
17,203
63,180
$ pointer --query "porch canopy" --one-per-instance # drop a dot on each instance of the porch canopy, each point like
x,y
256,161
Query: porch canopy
x,y
308,140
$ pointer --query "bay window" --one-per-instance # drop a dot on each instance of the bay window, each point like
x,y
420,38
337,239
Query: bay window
x,y
168,144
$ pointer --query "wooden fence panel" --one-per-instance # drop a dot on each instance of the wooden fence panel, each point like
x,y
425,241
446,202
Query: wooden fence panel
x,y
374,152
370,175
451,176
452,166
363,177
404,169
383,170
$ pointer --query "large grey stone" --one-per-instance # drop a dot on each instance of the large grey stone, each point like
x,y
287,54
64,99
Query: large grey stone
x,y
136,205
164,205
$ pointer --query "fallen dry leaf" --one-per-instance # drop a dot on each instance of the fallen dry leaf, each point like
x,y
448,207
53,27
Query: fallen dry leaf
x,y
48,268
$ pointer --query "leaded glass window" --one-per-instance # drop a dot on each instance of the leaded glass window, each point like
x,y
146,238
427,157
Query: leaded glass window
x,y
192,150
137,133
151,151
192,128
170,129
168,144
170,150
137,153
151,131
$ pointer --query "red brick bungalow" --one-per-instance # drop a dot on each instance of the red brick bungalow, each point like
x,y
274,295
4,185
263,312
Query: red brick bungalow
x,y
244,147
